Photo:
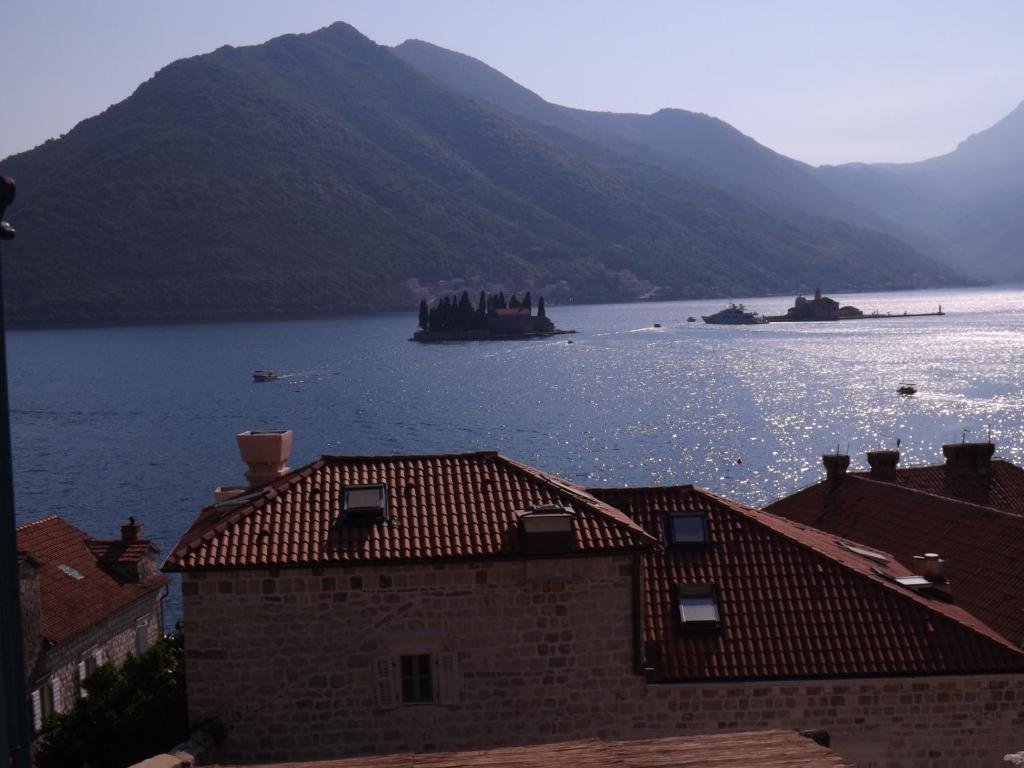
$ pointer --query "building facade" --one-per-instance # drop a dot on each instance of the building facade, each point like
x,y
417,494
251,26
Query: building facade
x,y
85,602
386,604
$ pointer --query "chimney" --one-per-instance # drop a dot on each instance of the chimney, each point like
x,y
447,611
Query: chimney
x,y
883,464
266,453
968,458
836,465
131,532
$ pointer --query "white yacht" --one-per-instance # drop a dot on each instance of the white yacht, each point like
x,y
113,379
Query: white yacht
x,y
735,314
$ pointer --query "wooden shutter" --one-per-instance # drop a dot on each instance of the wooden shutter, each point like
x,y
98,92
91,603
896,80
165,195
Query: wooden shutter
x,y
447,679
58,704
99,656
385,682
37,710
83,673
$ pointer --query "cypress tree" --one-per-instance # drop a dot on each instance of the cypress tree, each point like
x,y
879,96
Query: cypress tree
x,y
501,301
465,312
424,315
513,303
540,307
527,303
480,317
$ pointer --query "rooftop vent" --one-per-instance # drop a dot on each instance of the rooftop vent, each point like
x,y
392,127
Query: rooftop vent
x,y
364,504
546,529
227,492
930,566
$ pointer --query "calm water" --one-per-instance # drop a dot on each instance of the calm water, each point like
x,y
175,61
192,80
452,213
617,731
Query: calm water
x,y
141,421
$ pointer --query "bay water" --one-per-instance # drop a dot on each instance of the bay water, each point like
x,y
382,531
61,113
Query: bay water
x,y
112,422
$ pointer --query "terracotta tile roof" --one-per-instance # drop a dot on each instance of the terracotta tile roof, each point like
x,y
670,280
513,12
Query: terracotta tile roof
x,y
984,546
440,507
119,552
1002,488
795,602
764,749
75,592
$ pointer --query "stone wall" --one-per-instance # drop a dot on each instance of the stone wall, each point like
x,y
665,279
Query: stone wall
x,y
303,664
113,638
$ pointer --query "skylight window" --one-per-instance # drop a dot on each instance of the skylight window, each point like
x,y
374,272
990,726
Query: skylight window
x,y
365,503
687,529
913,582
697,608
69,571
870,554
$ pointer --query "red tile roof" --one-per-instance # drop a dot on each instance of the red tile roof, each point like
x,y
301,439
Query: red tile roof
x,y
1002,488
984,546
120,552
440,507
75,592
764,749
795,602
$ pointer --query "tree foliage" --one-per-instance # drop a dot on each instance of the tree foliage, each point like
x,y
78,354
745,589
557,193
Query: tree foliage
x,y
129,712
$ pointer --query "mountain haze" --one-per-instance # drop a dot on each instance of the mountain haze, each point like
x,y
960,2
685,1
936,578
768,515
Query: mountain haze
x,y
321,173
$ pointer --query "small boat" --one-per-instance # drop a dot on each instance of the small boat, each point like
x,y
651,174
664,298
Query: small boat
x,y
907,389
735,314
264,375
691,319
657,325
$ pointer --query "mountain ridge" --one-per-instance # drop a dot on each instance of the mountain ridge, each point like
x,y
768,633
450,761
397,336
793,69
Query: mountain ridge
x,y
320,173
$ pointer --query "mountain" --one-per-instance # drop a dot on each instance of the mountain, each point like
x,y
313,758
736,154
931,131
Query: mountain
x,y
697,146
960,207
967,200
321,173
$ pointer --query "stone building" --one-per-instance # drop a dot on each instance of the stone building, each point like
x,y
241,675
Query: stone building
x,y
84,602
968,513
467,601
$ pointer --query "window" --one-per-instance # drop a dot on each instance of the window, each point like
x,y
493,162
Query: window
x,y
417,679
697,608
141,636
687,529
365,503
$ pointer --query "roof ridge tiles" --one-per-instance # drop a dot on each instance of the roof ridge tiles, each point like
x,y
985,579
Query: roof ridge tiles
x,y
53,516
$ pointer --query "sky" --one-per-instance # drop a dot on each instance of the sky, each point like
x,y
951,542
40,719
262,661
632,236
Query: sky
x,y
823,82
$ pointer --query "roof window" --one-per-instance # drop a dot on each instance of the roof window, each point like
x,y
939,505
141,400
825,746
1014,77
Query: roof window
x,y
687,530
364,503
870,554
67,570
546,529
697,608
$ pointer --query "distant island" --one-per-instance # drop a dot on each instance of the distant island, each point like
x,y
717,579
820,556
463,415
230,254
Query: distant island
x,y
823,308
493,318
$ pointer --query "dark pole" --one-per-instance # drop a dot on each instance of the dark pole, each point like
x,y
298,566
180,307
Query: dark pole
x,y
15,725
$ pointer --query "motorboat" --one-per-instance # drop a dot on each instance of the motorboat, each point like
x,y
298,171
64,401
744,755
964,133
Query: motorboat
x,y
907,389
734,314
264,375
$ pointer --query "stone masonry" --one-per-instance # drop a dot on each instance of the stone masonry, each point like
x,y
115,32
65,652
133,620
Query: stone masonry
x,y
301,663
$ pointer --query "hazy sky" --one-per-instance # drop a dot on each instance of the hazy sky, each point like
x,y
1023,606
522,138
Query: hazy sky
x,y
825,81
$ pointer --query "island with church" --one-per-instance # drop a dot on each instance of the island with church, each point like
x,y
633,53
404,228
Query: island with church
x,y
824,308
455,318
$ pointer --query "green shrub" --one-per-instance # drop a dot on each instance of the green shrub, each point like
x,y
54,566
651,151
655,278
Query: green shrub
x,y
131,712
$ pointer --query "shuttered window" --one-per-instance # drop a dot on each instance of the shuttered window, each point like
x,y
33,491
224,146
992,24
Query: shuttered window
x,y
417,679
